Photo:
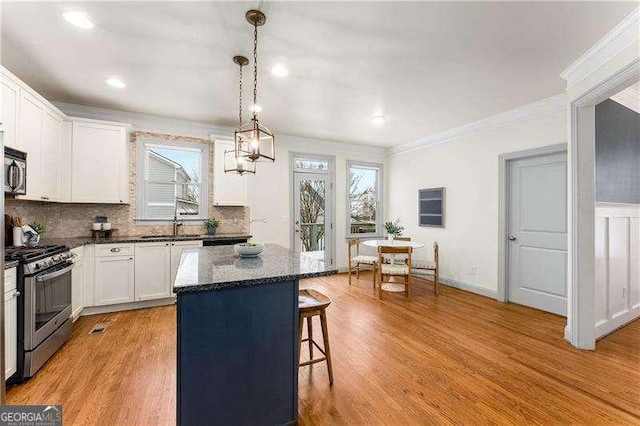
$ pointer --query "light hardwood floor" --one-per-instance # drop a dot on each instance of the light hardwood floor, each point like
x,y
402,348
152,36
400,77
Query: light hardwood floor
x,y
456,358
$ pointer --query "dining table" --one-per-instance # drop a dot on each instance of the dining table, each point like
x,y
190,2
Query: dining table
x,y
393,286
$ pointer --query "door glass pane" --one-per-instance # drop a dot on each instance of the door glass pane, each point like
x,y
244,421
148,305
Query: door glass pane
x,y
311,205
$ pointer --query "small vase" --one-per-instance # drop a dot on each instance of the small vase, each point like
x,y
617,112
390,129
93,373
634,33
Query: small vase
x,y
391,238
211,230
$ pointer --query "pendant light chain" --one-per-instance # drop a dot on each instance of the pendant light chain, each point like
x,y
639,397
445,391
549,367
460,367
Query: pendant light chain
x,y
240,100
255,69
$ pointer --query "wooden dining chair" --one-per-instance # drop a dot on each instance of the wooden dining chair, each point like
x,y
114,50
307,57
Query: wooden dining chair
x,y
356,262
426,265
394,269
398,259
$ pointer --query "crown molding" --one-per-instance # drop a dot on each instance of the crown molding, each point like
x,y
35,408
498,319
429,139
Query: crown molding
x,y
145,122
173,126
629,97
549,105
616,41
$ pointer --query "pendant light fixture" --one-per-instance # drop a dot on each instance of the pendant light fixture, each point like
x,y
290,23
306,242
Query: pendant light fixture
x,y
253,141
232,162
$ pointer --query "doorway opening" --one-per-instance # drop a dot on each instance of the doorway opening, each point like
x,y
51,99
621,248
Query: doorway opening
x,y
313,201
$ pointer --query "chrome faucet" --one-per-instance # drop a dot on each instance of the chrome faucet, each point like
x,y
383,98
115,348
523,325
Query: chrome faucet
x,y
176,222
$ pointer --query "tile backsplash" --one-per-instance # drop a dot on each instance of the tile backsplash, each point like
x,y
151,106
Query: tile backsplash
x,y
74,220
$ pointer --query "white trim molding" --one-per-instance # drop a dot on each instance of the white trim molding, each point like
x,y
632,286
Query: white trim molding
x,y
616,41
549,105
471,288
629,97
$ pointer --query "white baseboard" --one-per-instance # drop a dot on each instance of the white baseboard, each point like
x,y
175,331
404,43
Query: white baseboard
x,y
567,333
95,310
609,326
472,288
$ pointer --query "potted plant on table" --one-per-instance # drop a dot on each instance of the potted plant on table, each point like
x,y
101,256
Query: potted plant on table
x,y
211,225
394,229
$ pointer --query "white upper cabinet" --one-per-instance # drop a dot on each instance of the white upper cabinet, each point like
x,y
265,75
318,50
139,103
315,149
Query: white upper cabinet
x,y
99,162
10,111
228,189
50,165
31,119
33,125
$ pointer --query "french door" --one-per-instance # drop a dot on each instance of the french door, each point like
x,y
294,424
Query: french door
x,y
313,215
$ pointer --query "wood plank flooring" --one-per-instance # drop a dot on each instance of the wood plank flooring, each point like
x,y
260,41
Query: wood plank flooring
x,y
456,358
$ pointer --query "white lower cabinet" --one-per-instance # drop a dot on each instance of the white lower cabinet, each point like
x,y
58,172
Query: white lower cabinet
x,y
10,323
112,274
153,266
176,253
114,280
77,283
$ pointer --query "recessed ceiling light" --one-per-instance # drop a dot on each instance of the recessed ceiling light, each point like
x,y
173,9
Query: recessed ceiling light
x,y
255,108
280,71
79,19
378,119
116,82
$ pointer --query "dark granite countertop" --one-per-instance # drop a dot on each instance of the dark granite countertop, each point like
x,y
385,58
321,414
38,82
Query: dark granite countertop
x,y
10,264
216,268
73,242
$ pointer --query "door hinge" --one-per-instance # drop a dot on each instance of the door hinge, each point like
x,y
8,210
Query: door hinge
x,y
331,261
331,226
331,185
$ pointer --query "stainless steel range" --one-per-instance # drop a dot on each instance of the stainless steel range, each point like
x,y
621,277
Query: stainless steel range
x,y
44,304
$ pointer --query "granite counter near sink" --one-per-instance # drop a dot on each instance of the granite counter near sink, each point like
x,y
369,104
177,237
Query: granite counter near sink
x,y
74,242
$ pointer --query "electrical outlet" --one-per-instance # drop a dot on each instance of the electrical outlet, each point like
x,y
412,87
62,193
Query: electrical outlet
x,y
473,270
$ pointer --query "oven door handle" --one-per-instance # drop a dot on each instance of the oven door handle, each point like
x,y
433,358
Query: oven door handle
x,y
55,274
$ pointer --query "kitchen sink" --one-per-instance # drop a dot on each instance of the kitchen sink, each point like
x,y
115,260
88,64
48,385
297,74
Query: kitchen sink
x,y
170,237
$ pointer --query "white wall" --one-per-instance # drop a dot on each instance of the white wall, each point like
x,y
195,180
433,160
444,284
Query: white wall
x,y
468,168
270,190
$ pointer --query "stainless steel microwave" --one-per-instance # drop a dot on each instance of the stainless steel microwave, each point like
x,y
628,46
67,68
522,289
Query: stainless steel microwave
x,y
15,171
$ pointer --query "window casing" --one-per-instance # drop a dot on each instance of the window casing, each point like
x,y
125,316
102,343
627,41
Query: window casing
x,y
364,199
172,181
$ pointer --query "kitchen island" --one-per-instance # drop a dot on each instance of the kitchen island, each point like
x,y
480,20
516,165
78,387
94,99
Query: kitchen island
x,y
238,335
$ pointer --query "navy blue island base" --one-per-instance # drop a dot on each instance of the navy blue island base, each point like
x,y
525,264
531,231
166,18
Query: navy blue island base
x,y
237,335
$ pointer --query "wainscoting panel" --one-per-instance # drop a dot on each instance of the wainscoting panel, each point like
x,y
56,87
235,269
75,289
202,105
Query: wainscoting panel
x,y
617,271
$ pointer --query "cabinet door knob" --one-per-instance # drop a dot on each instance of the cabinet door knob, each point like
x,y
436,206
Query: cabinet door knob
x,y
16,294
115,250
131,258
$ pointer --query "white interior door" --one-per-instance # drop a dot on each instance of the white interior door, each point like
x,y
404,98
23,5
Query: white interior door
x,y
312,210
537,263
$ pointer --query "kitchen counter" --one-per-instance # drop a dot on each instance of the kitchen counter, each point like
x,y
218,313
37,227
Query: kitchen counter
x,y
10,264
217,268
237,335
73,242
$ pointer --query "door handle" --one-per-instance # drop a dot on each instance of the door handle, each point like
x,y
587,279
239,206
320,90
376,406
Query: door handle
x,y
512,237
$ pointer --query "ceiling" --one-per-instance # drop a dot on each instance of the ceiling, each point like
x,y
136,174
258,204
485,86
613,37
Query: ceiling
x,y
427,67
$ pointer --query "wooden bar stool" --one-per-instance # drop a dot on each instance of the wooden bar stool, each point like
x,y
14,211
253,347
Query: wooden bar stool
x,y
312,303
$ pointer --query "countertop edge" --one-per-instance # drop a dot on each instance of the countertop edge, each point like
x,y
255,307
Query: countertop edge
x,y
250,282
10,264
74,242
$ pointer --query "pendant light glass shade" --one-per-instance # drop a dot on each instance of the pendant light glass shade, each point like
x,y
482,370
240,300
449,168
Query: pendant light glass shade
x,y
238,165
255,142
